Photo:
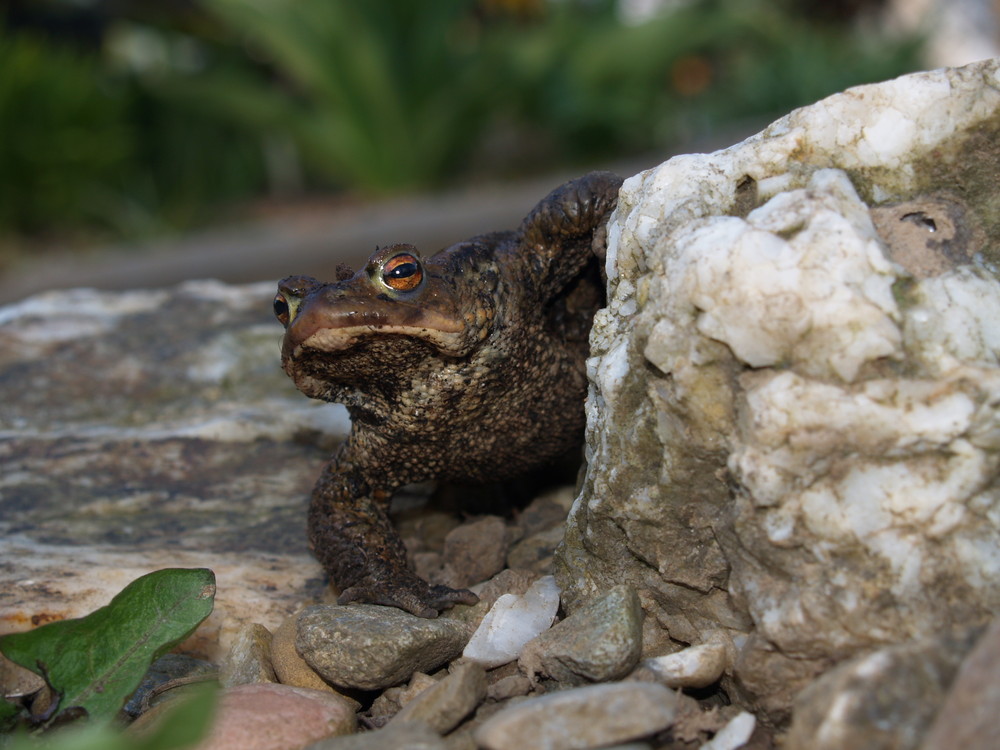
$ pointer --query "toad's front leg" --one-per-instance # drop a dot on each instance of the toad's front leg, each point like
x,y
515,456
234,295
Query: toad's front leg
x,y
352,537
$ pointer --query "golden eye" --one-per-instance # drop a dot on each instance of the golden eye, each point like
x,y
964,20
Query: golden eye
x,y
402,273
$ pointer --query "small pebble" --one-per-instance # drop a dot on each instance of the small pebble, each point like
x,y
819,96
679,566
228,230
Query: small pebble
x,y
445,703
597,643
507,581
403,736
289,667
383,708
734,735
969,718
474,552
249,659
580,718
886,698
512,622
419,682
547,511
17,681
370,647
535,552
693,667
267,717
509,687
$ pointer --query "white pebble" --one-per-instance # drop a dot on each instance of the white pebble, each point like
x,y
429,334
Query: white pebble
x,y
695,666
735,734
512,622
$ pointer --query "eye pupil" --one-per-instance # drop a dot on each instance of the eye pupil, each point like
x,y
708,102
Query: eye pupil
x,y
402,273
281,309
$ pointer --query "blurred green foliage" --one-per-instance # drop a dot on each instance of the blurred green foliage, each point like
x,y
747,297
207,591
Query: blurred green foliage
x,y
65,137
599,85
86,149
380,96
390,95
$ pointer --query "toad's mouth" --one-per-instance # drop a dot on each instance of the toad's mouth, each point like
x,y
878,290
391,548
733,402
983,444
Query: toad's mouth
x,y
342,338
332,331
331,321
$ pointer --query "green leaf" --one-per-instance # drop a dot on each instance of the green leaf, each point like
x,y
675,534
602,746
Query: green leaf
x,y
186,722
96,662
8,714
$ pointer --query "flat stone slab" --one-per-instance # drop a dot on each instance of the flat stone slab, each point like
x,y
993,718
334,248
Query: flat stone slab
x,y
149,429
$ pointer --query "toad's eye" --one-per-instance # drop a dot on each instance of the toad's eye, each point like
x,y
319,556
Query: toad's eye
x,y
281,309
402,273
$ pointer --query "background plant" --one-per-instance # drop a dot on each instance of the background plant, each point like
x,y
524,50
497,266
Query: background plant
x,y
87,148
597,84
65,137
380,96
177,114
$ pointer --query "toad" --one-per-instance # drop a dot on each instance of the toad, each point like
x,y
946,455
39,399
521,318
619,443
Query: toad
x,y
466,366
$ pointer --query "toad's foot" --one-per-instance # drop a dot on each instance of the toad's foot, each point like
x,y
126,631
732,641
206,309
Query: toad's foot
x,y
407,592
352,537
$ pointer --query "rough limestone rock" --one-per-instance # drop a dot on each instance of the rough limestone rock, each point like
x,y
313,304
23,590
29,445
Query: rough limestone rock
x,y
793,432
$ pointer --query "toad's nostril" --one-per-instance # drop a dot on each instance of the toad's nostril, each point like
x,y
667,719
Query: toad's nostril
x,y
921,220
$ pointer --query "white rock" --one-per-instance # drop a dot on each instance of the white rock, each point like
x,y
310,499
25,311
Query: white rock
x,y
512,622
735,734
793,432
821,297
954,321
694,667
